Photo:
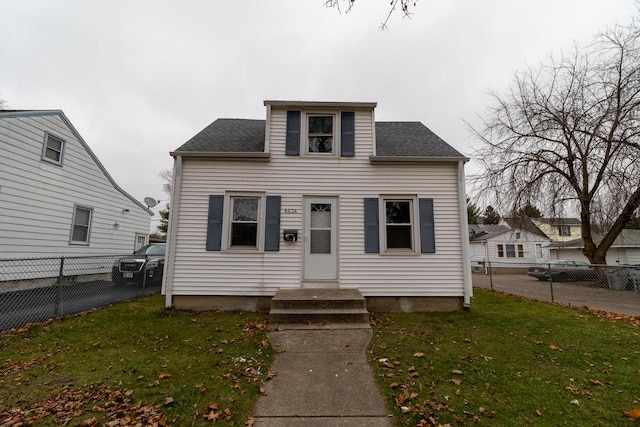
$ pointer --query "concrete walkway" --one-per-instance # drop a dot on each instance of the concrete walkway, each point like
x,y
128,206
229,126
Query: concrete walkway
x,y
322,378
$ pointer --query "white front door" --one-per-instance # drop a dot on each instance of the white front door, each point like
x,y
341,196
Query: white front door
x,y
320,238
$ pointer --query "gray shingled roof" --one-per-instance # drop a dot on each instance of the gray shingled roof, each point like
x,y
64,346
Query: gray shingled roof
x,y
559,221
524,223
228,136
479,232
410,139
393,139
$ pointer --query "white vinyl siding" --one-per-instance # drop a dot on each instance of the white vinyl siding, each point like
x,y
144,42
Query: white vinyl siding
x,y
38,197
351,180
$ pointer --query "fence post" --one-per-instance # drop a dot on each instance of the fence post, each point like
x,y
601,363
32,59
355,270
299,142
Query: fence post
x,y
551,283
58,284
144,272
490,276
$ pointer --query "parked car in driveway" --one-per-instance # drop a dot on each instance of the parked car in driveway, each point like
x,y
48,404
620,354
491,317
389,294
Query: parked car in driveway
x,y
563,271
147,261
625,278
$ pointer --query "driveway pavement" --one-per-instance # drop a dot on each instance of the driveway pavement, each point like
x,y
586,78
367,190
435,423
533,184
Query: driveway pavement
x,y
576,294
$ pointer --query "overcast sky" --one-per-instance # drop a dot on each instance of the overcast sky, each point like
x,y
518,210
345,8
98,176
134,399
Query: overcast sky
x,y
139,78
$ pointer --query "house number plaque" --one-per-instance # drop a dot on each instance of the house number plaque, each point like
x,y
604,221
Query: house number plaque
x,y
291,211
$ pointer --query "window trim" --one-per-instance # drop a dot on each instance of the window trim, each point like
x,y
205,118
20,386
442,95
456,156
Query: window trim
x,y
415,224
566,229
335,145
227,216
86,242
45,142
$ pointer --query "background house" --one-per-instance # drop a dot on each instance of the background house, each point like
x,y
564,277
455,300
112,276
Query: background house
x,y
57,199
511,246
317,195
625,249
559,229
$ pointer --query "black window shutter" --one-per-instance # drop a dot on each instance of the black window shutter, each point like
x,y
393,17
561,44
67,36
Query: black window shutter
x,y
272,226
371,227
293,133
427,231
214,222
347,138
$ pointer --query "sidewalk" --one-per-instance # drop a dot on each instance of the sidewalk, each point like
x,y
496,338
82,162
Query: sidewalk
x,y
322,378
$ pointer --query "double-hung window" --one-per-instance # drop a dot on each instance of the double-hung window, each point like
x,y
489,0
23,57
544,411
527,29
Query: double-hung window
x,y
564,230
244,222
81,227
53,149
320,134
510,251
398,215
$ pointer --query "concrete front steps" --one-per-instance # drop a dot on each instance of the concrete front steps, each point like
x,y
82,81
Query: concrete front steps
x,y
319,309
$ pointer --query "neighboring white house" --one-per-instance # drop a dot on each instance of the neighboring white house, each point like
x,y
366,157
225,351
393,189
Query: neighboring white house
x,y
317,195
516,243
56,198
625,249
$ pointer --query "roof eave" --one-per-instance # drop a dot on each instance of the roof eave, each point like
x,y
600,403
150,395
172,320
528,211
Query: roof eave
x,y
256,156
416,159
311,104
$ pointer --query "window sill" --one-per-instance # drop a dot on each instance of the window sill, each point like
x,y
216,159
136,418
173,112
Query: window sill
x,y
400,252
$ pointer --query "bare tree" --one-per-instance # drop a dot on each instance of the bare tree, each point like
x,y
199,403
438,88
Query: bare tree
x,y
404,6
567,135
167,176
3,104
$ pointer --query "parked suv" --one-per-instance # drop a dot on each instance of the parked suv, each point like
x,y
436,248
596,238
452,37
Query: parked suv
x,y
148,260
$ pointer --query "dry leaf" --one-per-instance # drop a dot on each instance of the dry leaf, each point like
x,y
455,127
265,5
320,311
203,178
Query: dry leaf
x,y
555,347
168,400
164,375
457,372
418,354
634,413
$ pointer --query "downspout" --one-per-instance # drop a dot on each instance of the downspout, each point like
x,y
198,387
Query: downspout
x,y
464,235
176,186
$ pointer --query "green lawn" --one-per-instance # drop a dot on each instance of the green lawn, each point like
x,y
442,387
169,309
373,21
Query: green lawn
x,y
135,361
507,361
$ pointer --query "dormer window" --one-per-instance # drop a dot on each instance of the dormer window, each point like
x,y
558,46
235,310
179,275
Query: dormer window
x,y
320,134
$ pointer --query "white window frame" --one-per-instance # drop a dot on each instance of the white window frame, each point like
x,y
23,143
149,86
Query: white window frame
x,y
45,146
564,230
227,217
137,237
539,253
415,226
335,145
73,225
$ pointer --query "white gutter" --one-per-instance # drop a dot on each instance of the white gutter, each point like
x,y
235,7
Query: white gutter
x,y
464,235
176,187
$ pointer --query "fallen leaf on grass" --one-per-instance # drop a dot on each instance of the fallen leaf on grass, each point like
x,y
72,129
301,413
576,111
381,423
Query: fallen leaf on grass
x,y
164,375
418,354
555,347
457,372
633,413
168,401
263,391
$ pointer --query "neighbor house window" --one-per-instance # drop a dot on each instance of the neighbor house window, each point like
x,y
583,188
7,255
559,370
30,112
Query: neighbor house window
x,y
81,229
509,251
53,149
398,223
564,230
245,215
320,134
538,250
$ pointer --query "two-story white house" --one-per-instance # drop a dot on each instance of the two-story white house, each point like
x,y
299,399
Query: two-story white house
x,y
56,198
318,195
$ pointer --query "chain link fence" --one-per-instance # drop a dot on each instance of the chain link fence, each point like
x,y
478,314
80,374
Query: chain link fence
x,y
38,289
614,289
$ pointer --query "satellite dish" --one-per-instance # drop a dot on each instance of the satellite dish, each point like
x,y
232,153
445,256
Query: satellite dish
x,y
150,202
